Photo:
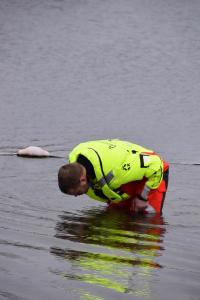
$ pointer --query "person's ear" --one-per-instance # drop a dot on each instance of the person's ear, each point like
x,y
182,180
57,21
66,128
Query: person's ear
x,y
83,179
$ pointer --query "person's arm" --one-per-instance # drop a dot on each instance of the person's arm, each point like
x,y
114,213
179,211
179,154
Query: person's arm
x,y
153,173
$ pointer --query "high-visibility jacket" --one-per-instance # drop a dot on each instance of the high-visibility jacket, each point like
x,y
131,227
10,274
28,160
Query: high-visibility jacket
x,y
117,162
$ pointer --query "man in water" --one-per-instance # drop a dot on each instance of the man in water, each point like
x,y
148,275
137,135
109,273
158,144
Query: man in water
x,y
120,173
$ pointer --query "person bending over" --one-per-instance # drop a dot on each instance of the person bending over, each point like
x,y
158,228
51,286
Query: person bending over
x,y
120,173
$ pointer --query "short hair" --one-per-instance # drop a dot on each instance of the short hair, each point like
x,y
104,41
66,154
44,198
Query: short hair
x,y
69,176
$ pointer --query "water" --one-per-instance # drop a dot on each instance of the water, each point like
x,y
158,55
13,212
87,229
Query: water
x,y
80,70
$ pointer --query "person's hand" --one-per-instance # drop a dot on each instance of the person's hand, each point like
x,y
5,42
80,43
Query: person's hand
x,y
138,205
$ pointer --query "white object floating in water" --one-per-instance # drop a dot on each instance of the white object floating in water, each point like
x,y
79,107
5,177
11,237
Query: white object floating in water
x,y
33,151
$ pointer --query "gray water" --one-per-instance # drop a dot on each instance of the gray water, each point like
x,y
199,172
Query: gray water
x,y
76,70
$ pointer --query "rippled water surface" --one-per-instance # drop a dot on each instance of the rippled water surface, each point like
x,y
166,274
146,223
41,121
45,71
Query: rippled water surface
x,y
80,70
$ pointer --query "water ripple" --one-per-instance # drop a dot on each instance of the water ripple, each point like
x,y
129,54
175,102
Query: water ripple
x,y
21,245
10,296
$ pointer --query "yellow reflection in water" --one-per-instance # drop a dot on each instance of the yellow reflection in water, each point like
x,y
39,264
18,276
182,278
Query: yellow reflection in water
x,y
110,274
121,253
88,296
84,295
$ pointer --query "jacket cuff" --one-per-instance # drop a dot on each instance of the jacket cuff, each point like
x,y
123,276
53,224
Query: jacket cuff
x,y
144,194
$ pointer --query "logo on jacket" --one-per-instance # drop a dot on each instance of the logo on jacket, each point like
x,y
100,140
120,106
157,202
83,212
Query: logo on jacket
x,y
96,186
126,167
111,146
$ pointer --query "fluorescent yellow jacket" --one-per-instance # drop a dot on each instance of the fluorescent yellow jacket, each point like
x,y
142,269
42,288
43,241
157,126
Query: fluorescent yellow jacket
x,y
118,162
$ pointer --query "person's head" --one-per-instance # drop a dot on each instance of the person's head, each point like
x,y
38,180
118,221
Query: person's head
x,y
72,179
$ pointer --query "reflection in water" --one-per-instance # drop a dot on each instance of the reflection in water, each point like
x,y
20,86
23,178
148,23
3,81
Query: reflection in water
x,y
122,249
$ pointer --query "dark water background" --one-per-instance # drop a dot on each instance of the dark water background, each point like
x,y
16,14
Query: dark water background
x,y
75,70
